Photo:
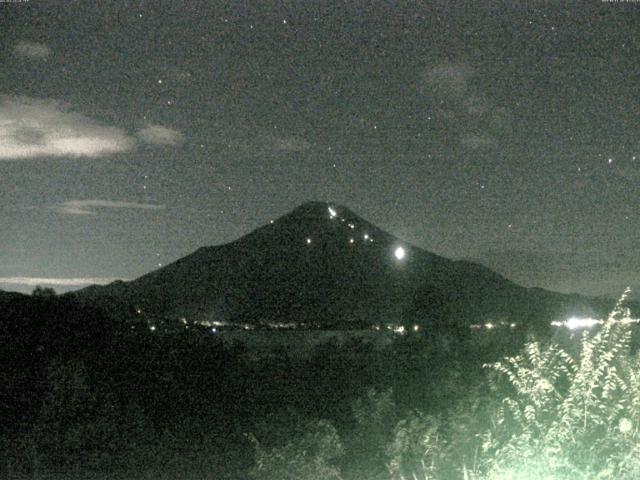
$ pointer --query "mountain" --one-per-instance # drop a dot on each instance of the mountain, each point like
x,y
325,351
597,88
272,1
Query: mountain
x,y
323,265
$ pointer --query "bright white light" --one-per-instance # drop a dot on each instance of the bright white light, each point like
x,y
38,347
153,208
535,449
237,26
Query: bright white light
x,y
489,326
308,240
575,323
152,328
416,328
625,425
332,212
214,330
351,240
399,253
366,236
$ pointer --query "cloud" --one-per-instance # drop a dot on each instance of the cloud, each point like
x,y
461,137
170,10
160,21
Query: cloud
x,y
67,282
89,207
447,79
288,144
159,135
477,141
475,105
32,128
175,74
32,50
458,100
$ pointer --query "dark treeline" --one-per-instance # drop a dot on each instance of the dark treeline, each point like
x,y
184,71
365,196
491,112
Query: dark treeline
x,y
83,394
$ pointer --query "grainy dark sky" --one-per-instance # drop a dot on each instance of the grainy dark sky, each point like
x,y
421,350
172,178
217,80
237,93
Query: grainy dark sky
x,y
132,133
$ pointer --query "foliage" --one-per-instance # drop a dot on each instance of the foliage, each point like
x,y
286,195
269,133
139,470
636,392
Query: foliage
x,y
417,446
43,292
375,415
87,395
312,456
566,417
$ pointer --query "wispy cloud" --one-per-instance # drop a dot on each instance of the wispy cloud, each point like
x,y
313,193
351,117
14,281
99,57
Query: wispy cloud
x,y
32,50
159,135
90,207
288,144
32,128
456,97
477,141
67,282
448,78
37,128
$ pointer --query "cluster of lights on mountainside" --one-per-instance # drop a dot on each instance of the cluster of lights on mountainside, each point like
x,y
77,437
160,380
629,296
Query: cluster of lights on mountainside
x,y
333,214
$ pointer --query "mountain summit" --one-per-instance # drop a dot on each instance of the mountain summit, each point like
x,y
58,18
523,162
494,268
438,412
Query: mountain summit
x,y
325,266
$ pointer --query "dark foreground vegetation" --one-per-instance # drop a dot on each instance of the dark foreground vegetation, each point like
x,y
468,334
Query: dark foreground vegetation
x,y
84,396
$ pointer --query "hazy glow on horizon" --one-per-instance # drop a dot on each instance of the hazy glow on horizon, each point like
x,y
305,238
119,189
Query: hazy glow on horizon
x,y
61,282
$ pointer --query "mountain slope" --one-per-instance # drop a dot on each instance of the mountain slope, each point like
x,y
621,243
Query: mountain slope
x,y
321,264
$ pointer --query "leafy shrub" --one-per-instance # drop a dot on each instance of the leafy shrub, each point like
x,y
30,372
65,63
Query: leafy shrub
x,y
569,418
310,457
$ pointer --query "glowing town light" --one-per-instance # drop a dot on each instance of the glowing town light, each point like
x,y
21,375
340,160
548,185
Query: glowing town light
x,y
351,240
399,253
214,330
308,240
366,236
416,328
332,212
152,328
575,323
489,326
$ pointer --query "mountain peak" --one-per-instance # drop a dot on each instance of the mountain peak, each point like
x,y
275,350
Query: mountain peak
x,y
318,209
331,221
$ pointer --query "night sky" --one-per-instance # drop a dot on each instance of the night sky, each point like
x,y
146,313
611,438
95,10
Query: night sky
x,y
507,132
